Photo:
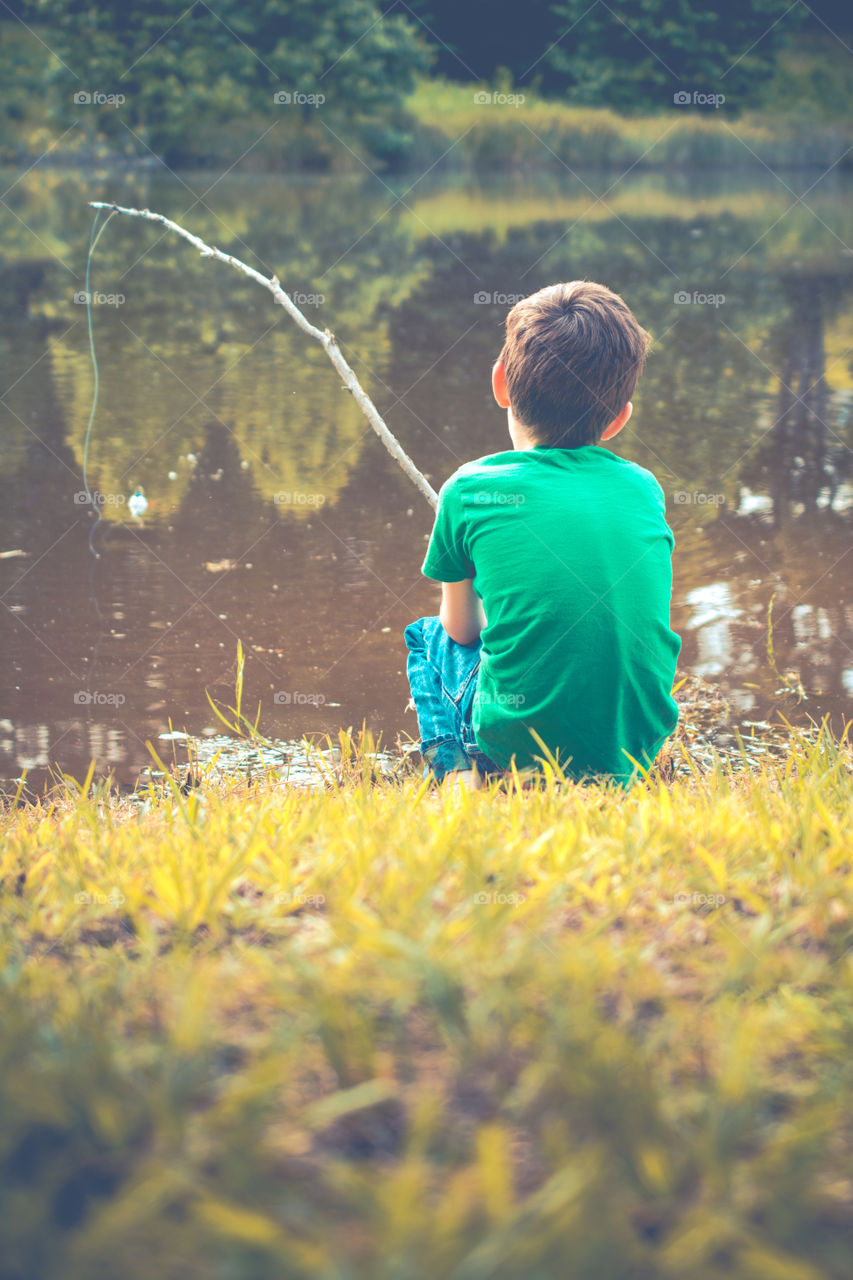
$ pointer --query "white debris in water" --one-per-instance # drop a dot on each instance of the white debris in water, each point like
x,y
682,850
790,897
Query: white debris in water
x,y
137,504
752,504
714,615
843,500
713,603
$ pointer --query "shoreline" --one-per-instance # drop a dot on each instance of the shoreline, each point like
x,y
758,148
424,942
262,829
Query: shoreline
x,y
707,738
443,127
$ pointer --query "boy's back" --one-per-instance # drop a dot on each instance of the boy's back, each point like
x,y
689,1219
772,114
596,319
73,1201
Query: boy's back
x,y
564,547
570,553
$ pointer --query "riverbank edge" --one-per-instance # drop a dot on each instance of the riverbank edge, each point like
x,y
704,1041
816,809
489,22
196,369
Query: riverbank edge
x,y
468,128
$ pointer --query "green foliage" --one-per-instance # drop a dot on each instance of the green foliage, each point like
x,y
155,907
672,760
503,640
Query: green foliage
x,y
639,55
184,72
478,41
812,77
379,1032
632,56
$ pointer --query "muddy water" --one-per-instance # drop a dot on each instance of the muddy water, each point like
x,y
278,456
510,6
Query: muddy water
x,y
274,516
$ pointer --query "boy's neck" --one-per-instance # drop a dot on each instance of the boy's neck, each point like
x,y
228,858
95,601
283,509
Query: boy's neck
x,y
519,434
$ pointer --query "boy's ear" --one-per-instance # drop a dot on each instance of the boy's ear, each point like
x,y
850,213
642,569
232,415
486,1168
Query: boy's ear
x,y
618,423
499,384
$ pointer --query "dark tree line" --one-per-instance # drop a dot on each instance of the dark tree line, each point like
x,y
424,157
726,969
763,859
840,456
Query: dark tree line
x,y
186,72
628,55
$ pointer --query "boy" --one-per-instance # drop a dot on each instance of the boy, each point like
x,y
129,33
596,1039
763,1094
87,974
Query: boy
x,y
553,637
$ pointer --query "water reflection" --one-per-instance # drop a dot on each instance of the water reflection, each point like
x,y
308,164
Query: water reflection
x,y
276,518
805,460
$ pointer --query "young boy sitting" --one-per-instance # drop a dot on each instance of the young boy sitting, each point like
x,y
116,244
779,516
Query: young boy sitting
x,y
553,638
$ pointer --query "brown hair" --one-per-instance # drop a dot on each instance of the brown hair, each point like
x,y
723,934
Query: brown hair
x,y
572,355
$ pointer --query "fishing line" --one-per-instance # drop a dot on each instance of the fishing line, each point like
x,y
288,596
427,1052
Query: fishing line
x,y
93,595
93,240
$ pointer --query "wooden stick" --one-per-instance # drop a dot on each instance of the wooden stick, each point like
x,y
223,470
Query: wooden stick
x,y
324,336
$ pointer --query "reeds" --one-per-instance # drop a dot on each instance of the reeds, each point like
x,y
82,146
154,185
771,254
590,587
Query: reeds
x,y
538,134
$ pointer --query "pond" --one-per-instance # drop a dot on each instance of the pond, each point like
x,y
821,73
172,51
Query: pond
x,y
274,515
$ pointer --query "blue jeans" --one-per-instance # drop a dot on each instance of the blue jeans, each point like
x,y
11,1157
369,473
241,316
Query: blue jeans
x,y
443,680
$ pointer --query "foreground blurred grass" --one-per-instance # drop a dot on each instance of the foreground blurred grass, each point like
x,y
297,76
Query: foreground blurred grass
x,y
381,1032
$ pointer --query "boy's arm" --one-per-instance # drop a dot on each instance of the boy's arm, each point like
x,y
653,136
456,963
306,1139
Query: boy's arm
x,y
461,611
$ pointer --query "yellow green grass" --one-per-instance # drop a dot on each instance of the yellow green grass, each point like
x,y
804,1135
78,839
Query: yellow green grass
x,y
538,133
373,1031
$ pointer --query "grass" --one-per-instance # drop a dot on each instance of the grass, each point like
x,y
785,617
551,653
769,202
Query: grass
x,y
540,134
373,1031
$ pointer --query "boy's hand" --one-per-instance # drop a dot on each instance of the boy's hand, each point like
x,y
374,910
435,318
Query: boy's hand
x,y
461,611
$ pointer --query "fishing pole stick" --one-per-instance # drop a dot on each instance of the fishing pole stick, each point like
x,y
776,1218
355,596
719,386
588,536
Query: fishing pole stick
x,y
324,336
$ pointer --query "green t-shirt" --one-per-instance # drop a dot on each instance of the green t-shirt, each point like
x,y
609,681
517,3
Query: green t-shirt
x,y
571,555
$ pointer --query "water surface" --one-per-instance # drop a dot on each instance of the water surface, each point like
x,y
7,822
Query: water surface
x,y
275,516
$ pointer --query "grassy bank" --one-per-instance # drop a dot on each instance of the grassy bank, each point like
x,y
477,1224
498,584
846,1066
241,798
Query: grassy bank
x,y
443,128
381,1032
499,134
